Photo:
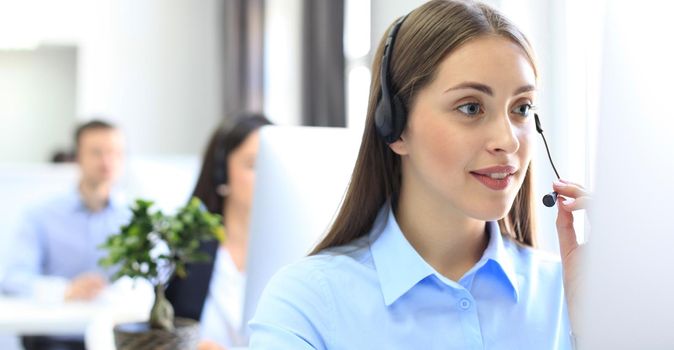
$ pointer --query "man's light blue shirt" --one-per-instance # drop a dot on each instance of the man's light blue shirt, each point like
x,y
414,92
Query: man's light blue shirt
x,y
379,293
59,239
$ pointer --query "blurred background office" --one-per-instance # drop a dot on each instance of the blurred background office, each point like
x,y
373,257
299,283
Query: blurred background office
x,y
168,72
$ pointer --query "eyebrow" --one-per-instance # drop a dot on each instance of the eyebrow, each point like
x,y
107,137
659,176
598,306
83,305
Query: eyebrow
x,y
488,90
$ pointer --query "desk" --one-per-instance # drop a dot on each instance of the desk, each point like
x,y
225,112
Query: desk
x,y
121,302
29,317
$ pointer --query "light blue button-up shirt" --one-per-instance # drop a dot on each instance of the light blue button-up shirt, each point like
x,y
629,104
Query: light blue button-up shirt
x,y
379,293
60,239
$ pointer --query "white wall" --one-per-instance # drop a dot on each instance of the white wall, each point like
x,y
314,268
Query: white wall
x,y
283,61
152,66
384,12
37,102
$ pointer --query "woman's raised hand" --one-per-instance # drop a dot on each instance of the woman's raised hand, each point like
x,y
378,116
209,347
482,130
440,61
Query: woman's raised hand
x,y
571,197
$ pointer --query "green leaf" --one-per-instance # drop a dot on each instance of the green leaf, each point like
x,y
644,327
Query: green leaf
x,y
128,251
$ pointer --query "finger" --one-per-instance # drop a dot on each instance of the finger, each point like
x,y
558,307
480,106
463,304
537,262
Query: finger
x,y
208,345
93,281
569,190
98,283
87,295
87,284
573,204
97,289
565,231
88,276
84,276
572,183
75,295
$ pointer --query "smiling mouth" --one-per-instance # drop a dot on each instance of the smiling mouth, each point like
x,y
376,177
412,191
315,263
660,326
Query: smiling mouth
x,y
497,176
495,181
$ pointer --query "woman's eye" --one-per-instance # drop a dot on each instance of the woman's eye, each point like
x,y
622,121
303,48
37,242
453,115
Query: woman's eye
x,y
470,109
523,109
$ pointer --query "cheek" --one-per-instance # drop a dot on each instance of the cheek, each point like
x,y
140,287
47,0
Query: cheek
x,y
249,179
526,138
241,178
447,148
92,162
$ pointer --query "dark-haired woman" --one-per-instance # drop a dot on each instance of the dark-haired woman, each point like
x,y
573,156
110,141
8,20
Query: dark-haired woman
x,y
213,292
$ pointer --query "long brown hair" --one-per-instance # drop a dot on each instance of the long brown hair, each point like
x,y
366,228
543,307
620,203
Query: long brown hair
x,y
426,37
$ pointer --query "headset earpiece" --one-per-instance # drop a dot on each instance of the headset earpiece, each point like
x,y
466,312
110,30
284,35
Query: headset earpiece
x,y
220,161
390,115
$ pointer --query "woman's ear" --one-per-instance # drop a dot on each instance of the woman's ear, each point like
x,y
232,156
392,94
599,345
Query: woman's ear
x,y
399,147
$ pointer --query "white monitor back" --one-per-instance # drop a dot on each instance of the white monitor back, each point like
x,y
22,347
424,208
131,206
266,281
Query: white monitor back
x,y
301,176
629,286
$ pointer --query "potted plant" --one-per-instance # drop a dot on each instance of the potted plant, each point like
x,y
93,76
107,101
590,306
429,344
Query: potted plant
x,y
155,246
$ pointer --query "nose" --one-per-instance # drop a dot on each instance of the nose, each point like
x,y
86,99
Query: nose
x,y
502,135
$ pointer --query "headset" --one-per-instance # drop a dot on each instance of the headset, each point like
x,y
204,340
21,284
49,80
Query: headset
x,y
549,199
220,170
390,115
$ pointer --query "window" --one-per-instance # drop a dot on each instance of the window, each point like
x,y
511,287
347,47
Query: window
x,y
357,49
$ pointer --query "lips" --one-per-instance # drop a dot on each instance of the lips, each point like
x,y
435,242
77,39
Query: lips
x,y
508,169
496,177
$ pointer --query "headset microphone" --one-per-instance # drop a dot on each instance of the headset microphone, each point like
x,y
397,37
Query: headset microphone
x,y
549,199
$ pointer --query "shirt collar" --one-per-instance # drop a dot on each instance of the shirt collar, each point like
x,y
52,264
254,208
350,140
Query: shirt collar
x,y
400,267
498,253
74,200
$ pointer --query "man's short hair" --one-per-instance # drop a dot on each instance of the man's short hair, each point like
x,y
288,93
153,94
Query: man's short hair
x,y
95,124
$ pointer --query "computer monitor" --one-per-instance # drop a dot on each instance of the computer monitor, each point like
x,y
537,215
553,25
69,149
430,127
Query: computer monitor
x,y
301,176
628,294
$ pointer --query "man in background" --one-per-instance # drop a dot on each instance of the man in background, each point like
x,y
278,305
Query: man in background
x,y
55,254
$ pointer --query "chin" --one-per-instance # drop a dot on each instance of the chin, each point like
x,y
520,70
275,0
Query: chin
x,y
490,212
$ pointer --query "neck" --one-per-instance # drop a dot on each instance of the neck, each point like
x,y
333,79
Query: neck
x,y
94,195
236,222
451,242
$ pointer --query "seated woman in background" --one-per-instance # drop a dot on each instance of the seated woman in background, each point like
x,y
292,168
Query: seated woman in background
x,y
213,291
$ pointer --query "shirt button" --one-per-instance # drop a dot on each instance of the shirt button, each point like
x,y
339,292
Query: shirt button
x,y
464,304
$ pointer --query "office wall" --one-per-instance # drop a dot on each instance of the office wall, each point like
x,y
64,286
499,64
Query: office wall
x,y
152,66
384,12
37,102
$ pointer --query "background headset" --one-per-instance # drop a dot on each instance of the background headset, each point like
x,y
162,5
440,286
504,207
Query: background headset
x,y
390,115
220,170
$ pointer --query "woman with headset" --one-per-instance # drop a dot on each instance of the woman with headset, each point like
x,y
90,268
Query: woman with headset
x,y
433,247
213,291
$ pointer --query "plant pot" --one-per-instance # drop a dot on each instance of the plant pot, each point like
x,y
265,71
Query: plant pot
x,y
139,336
